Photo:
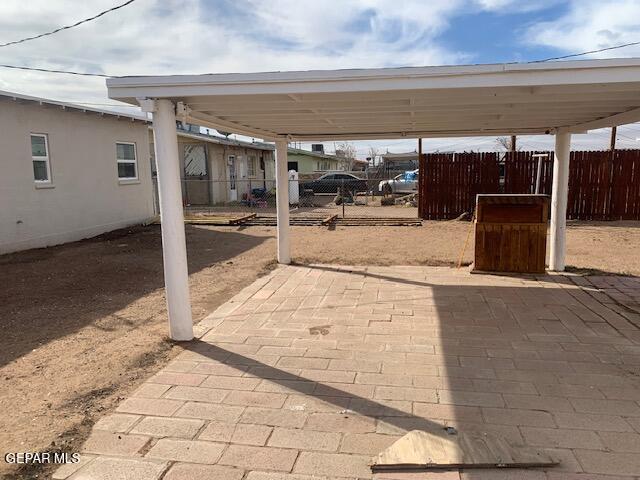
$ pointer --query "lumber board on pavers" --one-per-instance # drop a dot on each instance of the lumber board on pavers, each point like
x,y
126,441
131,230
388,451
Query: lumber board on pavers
x,y
421,450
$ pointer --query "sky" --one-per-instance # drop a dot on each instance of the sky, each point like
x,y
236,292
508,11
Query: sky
x,y
157,37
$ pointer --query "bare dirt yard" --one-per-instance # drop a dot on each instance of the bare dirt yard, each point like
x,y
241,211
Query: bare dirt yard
x,y
84,323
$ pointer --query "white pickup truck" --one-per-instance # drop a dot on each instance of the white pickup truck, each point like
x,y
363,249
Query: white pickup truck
x,y
406,182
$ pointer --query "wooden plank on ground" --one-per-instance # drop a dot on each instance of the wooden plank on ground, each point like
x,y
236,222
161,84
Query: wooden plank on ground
x,y
243,219
329,219
207,220
422,450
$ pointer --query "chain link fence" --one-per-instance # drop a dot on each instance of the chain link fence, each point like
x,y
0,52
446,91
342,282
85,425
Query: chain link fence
x,y
342,194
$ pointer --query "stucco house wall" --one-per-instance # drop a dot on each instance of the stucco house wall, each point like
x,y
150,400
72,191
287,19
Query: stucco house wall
x,y
214,187
85,197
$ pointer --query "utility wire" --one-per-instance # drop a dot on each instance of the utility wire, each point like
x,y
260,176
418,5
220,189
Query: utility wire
x,y
67,27
585,53
18,67
34,69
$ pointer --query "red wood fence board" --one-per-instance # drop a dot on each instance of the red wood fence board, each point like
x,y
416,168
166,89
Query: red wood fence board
x,y
602,185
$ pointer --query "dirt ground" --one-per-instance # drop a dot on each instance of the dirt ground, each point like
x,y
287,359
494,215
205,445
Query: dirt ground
x,y
84,323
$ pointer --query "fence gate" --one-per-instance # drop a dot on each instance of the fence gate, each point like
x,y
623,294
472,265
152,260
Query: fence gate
x,y
449,182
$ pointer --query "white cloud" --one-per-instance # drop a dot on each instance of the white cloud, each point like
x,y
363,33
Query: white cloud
x,y
189,36
186,36
591,25
494,4
513,6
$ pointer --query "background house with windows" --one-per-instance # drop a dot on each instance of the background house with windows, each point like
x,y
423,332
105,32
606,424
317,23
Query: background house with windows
x,y
305,161
69,172
217,170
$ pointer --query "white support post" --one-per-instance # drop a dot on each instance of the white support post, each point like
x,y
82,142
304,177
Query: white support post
x,y
559,202
174,247
282,200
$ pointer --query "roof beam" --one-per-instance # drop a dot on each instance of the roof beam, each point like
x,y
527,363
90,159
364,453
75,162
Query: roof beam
x,y
308,137
549,112
623,118
258,103
218,124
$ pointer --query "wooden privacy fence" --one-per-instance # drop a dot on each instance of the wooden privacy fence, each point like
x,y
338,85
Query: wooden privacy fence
x,y
602,185
449,182
521,172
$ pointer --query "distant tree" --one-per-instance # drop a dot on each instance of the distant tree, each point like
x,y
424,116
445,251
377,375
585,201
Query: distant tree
x,y
373,154
346,151
505,143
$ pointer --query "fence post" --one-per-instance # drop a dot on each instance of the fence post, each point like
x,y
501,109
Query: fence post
x,y
342,195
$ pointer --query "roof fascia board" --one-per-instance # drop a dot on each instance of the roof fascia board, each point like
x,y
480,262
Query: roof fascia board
x,y
326,156
43,102
223,141
376,80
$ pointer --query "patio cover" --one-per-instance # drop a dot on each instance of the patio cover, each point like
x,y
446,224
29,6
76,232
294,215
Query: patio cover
x,y
476,100
515,99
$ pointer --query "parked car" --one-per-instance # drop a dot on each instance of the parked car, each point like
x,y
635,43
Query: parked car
x,y
406,182
330,182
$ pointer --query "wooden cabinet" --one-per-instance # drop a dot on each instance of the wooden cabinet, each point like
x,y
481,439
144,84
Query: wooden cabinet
x,y
511,233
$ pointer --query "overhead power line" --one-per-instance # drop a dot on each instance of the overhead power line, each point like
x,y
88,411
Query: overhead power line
x,y
68,72
20,67
585,53
67,27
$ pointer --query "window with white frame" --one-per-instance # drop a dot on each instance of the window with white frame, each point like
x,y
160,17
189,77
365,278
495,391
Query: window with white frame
x,y
251,166
127,162
40,158
323,165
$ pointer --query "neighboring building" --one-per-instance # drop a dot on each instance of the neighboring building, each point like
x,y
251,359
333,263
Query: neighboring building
x,y
217,170
305,161
359,165
69,172
399,162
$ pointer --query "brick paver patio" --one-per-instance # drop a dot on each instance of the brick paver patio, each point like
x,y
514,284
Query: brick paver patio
x,y
311,371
